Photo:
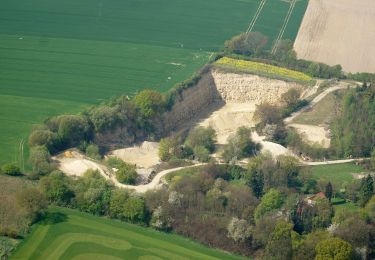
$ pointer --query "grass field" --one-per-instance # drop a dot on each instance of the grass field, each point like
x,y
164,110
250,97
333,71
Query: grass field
x,y
322,112
59,56
69,234
337,174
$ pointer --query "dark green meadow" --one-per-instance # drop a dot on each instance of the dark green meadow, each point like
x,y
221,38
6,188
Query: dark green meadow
x,y
60,56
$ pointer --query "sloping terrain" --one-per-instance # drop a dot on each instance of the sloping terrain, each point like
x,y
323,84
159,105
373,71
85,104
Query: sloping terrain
x,y
74,235
57,56
339,32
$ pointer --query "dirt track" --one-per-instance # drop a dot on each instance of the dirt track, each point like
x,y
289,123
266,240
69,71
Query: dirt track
x,y
339,32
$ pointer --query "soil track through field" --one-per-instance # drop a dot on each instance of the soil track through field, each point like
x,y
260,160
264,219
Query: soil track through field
x,y
283,28
255,17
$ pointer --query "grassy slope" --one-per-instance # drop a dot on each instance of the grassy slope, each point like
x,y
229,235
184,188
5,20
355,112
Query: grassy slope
x,y
84,51
322,112
337,174
82,235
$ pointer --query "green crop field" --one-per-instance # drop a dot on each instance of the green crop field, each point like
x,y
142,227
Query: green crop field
x,y
70,234
337,174
60,56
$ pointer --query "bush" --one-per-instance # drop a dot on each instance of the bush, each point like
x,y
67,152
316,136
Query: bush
x,y
150,103
204,137
40,160
126,173
239,145
11,169
92,151
72,129
169,148
201,154
43,138
246,43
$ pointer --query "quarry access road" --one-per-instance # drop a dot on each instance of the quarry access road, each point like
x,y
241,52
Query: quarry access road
x,y
317,99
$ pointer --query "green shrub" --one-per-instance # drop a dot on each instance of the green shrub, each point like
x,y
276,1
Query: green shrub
x,y
92,151
126,173
11,169
201,154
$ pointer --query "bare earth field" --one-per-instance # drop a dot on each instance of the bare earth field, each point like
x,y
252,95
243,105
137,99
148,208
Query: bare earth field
x,y
339,32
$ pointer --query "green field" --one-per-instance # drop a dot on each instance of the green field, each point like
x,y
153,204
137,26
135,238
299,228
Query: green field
x,y
60,56
337,174
70,234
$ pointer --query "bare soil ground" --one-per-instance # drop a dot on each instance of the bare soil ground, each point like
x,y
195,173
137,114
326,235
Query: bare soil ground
x,y
228,118
314,134
339,32
144,155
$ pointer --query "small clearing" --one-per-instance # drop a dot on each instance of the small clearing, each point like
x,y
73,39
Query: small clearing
x,y
339,32
144,155
314,134
75,164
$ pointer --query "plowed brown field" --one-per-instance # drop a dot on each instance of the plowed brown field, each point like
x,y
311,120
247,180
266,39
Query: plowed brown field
x,y
339,32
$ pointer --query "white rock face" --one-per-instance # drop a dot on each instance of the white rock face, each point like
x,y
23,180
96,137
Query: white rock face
x,y
248,88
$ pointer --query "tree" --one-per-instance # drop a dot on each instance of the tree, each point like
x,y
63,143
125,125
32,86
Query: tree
x,y
247,43
240,145
367,190
354,230
329,191
291,97
239,230
373,160
266,113
117,202
370,208
272,200
40,160
11,169
333,249
134,209
201,136
256,179
55,188
160,219
33,201
201,154
127,173
104,117
72,129
306,251
279,245
43,137
169,148
150,103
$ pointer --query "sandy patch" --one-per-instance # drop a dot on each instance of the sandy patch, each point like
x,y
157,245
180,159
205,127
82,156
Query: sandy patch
x,y
228,118
144,155
339,32
269,147
76,164
314,134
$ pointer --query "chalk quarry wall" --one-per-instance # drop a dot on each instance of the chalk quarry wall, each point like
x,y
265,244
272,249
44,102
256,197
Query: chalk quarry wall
x,y
216,86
